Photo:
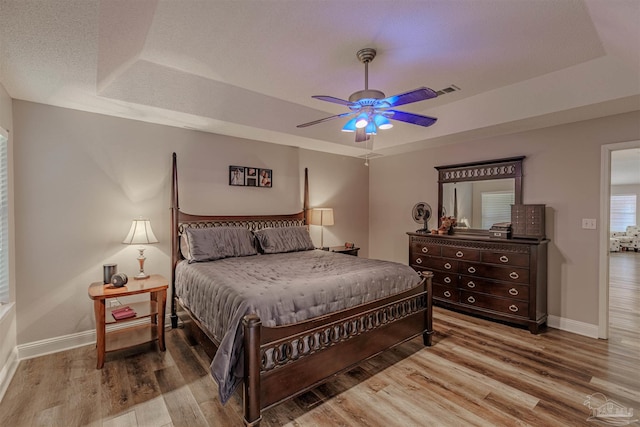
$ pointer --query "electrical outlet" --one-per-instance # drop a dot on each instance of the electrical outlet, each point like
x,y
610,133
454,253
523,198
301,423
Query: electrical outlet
x,y
589,223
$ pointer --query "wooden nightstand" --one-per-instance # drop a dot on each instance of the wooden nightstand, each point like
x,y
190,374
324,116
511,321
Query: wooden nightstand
x,y
343,250
156,286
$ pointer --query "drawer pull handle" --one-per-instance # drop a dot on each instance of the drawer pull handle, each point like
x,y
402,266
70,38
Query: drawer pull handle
x,y
447,294
513,308
471,270
419,261
504,258
459,254
471,300
447,280
447,266
471,285
513,275
513,291
425,249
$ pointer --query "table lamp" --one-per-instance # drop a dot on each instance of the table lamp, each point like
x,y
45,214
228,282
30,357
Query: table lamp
x,y
140,234
321,217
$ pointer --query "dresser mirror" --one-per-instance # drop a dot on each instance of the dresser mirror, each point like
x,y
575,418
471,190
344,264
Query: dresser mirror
x,y
479,194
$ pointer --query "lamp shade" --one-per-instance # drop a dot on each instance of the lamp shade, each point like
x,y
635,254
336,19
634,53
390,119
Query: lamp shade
x,y
321,216
140,233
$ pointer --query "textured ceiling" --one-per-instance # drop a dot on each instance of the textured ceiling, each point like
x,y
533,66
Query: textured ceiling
x,y
249,68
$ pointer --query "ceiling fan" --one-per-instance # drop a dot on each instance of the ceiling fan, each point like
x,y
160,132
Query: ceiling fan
x,y
372,110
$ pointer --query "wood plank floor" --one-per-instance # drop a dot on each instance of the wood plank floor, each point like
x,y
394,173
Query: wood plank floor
x,y
478,373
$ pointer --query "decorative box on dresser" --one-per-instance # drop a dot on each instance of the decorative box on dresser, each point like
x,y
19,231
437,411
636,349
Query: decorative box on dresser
x,y
501,279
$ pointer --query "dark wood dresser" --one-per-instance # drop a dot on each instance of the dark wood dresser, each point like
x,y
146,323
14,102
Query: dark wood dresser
x,y
501,279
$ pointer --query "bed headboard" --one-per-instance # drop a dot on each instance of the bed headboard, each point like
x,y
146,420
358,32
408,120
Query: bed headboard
x,y
181,220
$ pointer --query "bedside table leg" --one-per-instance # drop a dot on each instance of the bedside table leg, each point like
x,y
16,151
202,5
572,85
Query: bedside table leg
x,y
162,302
99,311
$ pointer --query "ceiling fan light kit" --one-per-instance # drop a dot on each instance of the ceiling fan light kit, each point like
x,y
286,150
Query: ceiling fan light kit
x,y
350,126
372,109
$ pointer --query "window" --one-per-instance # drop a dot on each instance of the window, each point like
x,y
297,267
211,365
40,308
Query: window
x,y
496,207
623,211
4,220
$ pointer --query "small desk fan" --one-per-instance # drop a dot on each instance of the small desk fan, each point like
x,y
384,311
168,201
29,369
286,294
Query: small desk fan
x,y
421,213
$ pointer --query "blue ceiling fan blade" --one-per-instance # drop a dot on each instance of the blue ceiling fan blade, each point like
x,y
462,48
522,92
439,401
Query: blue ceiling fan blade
x,y
414,119
333,99
416,95
315,122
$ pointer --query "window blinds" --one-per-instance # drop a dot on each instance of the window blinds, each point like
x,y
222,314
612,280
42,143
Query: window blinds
x,y
4,220
623,211
496,207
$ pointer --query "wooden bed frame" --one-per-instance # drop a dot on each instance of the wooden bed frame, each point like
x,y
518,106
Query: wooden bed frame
x,y
278,366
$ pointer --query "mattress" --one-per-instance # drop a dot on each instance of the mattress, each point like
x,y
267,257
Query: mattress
x,y
281,289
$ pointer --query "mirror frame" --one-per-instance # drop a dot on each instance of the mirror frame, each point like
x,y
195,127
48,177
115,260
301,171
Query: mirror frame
x,y
480,171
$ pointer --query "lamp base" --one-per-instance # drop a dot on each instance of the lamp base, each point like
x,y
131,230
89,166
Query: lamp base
x,y
141,258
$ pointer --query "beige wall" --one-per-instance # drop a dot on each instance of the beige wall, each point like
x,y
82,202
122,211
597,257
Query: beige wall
x,y
562,170
8,321
82,177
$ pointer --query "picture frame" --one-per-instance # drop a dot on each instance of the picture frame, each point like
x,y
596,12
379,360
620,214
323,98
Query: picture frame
x,y
265,178
251,177
236,175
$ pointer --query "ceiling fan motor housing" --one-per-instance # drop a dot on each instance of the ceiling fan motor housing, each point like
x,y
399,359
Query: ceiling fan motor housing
x,y
371,94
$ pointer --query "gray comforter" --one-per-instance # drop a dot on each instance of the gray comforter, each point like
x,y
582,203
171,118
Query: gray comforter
x,y
281,289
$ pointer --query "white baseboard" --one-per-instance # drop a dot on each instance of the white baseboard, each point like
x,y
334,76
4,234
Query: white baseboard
x,y
7,372
67,342
56,344
580,328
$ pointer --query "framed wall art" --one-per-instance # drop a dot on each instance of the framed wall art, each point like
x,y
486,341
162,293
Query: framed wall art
x,y
251,177
236,175
248,176
265,179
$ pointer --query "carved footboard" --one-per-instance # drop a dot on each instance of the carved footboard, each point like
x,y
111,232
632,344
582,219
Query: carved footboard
x,y
283,362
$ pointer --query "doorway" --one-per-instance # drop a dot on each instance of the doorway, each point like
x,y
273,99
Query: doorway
x,y
611,263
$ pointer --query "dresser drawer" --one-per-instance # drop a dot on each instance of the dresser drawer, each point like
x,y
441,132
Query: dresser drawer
x,y
506,274
434,263
461,253
506,258
446,293
443,278
505,290
419,248
503,305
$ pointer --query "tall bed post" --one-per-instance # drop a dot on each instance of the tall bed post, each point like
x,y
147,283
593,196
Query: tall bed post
x,y
427,335
305,202
175,243
251,398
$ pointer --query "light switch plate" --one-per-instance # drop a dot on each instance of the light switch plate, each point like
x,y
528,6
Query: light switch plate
x,y
589,223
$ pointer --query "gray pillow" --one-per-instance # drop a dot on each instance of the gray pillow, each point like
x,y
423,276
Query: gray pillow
x,y
284,239
209,244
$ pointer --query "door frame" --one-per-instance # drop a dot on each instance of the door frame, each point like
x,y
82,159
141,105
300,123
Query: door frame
x,y
605,202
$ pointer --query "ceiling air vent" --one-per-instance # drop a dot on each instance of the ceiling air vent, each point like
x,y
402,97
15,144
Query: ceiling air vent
x,y
449,89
